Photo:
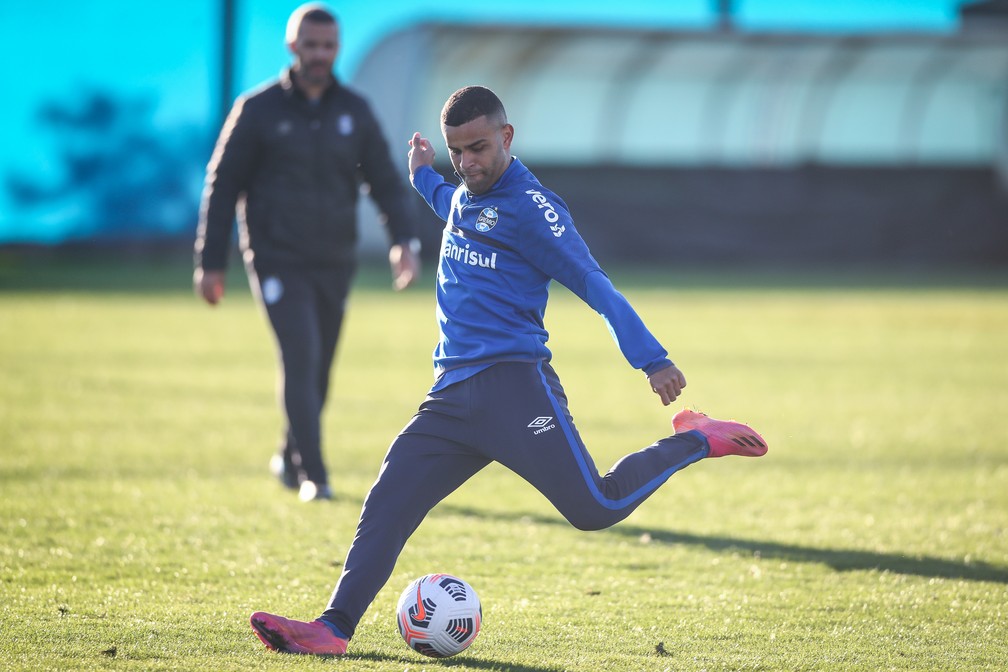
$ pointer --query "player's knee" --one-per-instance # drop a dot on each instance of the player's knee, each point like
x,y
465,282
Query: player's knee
x,y
590,521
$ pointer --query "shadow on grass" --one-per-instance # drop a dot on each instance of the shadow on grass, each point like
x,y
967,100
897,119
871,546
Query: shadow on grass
x,y
839,559
457,661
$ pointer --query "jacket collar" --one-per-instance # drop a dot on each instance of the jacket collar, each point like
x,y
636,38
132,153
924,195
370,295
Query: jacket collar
x,y
290,88
514,172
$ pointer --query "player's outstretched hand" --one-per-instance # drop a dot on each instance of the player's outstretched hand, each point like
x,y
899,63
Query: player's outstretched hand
x,y
421,153
667,383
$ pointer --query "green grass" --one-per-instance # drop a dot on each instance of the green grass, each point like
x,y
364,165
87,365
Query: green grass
x,y
139,526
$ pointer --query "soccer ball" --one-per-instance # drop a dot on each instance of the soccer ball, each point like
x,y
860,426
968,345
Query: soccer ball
x,y
439,615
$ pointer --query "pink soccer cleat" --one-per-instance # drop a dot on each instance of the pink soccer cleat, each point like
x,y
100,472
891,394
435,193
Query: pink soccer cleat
x,y
724,437
290,636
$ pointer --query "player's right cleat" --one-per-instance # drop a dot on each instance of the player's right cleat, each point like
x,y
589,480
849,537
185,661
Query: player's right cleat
x,y
724,437
314,492
289,636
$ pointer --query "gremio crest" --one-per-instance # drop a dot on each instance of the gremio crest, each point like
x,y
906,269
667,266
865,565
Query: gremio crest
x,y
486,220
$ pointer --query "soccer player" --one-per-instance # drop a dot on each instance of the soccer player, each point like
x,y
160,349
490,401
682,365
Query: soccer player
x,y
290,158
495,395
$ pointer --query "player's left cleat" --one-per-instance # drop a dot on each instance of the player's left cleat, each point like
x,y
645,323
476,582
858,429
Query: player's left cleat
x,y
285,635
724,437
286,474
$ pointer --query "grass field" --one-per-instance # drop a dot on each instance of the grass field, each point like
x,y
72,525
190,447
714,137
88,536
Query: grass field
x,y
139,526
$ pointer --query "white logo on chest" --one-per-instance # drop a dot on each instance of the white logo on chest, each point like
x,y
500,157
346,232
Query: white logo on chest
x,y
470,257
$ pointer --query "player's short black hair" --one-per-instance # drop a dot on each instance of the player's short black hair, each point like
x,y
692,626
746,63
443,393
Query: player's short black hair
x,y
472,102
311,12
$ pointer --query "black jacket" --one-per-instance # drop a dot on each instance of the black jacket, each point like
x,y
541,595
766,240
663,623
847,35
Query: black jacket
x,y
293,170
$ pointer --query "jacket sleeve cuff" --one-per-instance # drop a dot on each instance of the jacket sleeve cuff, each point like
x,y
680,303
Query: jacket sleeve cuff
x,y
655,367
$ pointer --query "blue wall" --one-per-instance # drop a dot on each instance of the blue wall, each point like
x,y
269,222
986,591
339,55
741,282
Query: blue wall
x,y
111,107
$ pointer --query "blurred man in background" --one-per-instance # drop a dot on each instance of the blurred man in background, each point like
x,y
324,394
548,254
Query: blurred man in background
x,y
289,160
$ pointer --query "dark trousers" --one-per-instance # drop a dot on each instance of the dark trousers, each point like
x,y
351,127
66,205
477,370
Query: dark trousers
x,y
305,308
512,413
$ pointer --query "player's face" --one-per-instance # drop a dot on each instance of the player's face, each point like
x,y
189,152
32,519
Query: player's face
x,y
315,52
480,151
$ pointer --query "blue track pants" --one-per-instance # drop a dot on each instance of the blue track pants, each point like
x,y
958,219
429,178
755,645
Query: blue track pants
x,y
513,413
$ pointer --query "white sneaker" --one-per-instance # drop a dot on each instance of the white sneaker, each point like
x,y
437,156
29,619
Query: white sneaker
x,y
311,491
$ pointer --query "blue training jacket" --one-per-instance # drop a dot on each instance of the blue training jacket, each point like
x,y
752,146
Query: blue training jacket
x,y
499,251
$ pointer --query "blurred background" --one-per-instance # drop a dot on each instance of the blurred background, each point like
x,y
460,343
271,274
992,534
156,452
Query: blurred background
x,y
769,132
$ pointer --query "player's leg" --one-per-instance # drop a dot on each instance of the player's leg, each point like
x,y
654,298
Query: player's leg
x,y
288,297
285,465
334,286
329,291
282,464
418,472
529,429
422,467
